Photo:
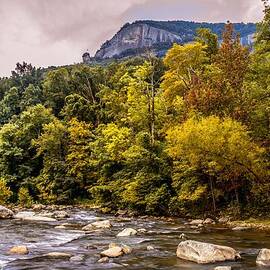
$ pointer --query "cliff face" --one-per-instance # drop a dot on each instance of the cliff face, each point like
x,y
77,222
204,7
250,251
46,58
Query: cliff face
x,y
134,37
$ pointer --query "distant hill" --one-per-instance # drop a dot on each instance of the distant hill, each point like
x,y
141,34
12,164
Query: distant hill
x,y
133,39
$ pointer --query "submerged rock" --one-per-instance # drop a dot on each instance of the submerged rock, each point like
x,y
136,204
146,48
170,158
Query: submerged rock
x,y
263,258
204,253
127,232
58,255
5,213
19,250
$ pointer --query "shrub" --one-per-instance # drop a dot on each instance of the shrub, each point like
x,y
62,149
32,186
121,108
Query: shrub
x,y
24,197
5,192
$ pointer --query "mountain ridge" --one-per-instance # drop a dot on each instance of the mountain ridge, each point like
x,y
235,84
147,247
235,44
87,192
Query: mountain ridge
x,y
133,38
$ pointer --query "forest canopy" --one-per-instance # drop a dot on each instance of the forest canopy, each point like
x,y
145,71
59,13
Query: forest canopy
x,y
185,134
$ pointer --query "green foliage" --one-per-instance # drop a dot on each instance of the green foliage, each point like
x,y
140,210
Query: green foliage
x,y
24,197
181,135
5,192
206,37
9,105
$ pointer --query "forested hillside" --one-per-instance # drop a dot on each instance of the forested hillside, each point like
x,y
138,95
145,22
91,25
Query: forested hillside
x,y
188,27
181,135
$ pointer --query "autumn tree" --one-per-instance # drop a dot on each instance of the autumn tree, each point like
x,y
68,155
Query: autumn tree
x,y
213,157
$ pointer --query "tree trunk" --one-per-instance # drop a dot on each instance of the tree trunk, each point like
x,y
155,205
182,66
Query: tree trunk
x,y
152,110
213,194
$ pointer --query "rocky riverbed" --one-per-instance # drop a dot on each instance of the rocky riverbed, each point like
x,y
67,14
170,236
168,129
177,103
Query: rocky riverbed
x,y
83,239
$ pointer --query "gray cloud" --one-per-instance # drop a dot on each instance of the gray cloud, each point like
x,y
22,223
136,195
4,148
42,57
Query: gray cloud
x,y
57,32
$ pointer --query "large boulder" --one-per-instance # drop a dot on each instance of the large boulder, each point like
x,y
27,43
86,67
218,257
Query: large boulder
x,y
204,253
127,232
263,258
5,213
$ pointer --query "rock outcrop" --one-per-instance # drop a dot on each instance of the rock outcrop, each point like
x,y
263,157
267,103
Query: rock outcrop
x,y
204,253
133,37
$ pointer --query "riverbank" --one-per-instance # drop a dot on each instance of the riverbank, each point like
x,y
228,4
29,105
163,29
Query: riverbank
x,y
259,224
252,223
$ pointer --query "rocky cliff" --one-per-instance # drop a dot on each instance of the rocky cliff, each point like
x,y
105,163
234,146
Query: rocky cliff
x,y
134,39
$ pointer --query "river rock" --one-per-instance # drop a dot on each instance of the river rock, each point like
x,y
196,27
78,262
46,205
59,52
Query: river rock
x,y
209,221
5,213
19,250
60,214
30,216
121,213
223,220
204,253
127,232
240,228
60,227
142,230
38,207
126,249
113,252
263,258
58,255
46,214
78,258
196,222
104,260
149,248
223,268
105,224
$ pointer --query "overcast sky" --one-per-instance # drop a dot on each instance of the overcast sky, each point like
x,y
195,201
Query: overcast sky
x,y
57,32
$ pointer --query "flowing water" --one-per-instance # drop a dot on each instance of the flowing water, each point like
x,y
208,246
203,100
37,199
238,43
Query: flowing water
x,y
42,237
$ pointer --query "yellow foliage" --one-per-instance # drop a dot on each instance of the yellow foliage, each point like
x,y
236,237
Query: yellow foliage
x,y
5,192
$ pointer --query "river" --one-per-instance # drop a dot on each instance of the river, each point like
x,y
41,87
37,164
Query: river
x,y
164,236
